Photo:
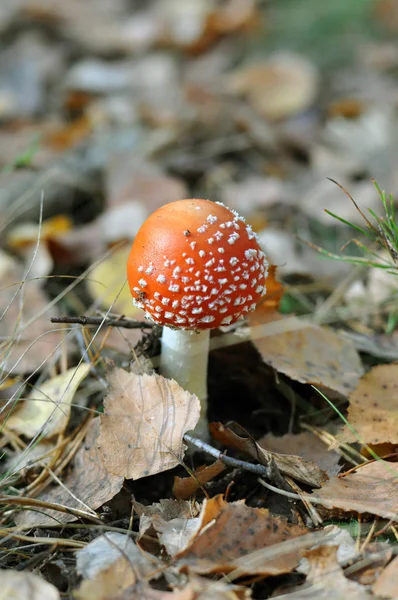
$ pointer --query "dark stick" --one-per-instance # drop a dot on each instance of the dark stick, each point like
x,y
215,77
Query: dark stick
x,y
228,460
100,321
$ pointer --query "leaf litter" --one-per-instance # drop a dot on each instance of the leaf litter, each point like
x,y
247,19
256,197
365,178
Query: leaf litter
x,y
138,104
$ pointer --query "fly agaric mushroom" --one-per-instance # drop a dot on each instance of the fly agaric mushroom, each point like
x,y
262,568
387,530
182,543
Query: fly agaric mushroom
x,y
194,265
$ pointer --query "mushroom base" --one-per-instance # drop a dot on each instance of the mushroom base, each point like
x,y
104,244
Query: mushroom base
x,y
184,358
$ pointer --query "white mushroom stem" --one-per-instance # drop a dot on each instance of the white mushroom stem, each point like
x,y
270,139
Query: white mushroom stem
x,y
184,357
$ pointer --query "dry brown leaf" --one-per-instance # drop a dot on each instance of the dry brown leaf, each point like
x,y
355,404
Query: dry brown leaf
x,y
376,557
372,488
184,487
143,424
294,466
28,338
201,588
25,586
305,352
306,445
172,522
373,408
387,582
229,532
135,181
47,408
111,564
326,580
89,481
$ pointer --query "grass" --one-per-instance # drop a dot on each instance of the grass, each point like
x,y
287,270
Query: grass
x,y
379,243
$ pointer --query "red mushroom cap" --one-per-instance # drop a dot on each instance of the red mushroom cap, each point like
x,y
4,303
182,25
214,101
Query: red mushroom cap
x,y
196,264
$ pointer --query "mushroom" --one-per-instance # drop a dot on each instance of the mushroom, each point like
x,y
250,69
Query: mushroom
x,y
195,265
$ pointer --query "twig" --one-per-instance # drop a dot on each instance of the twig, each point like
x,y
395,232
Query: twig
x,y
229,460
103,322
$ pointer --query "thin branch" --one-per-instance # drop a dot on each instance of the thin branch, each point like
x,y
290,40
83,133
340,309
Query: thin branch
x,y
229,460
101,321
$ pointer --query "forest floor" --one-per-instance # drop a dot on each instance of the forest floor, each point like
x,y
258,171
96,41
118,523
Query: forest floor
x,y
287,113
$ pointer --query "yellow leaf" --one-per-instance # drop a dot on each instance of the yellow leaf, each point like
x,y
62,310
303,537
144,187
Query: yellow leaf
x,y
47,409
108,279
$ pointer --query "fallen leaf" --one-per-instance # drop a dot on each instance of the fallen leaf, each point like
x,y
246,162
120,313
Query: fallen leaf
x,y
107,285
275,290
26,586
230,531
372,412
283,86
326,579
305,352
184,487
168,509
386,585
87,484
130,180
201,588
28,340
66,136
143,424
104,550
377,555
46,411
369,489
111,564
306,445
26,234
294,466
172,522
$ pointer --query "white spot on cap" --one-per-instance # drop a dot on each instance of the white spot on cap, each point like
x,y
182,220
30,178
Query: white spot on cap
x,y
221,250
140,269
197,311
161,279
169,315
218,235
212,219
202,253
223,281
210,240
226,320
193,244
210,262
233,261
233,237
165,300
175,304
159,309
174,287
207,319
150,269
202,229
142,283
190,261
250,254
